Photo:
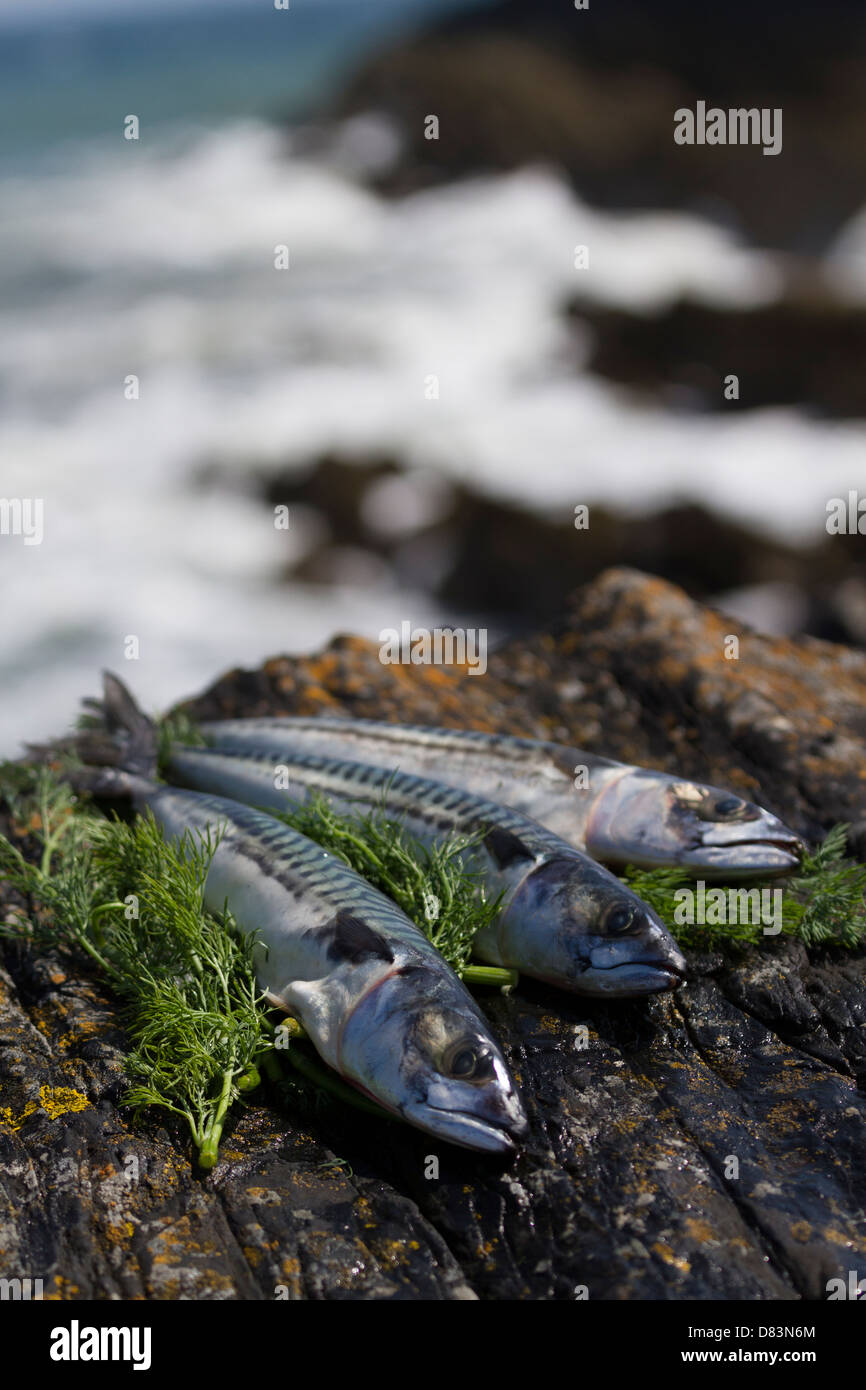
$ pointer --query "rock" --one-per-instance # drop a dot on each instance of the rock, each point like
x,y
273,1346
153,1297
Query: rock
x,y
788,57
595,93
703,1145
798,352
477,553
503,102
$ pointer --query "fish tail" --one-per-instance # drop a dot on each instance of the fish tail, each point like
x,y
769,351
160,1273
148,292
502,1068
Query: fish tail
x,y
117,754
135,731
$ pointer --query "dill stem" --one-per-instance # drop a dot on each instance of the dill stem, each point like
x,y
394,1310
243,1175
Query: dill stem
x,y
50,843
446,884
270,1066
364,849
492,975
209,1148
105,907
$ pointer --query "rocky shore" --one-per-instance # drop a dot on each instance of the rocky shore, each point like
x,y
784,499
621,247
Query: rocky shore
x,y
703,1145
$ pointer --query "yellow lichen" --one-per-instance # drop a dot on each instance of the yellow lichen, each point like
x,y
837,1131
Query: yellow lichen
x,y
700,1230
55,1101
119,1232
671,1258
62,1100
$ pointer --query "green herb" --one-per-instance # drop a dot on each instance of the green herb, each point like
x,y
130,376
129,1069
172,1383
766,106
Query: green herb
x,y
173,729
827,900
823,904
133,903
430,883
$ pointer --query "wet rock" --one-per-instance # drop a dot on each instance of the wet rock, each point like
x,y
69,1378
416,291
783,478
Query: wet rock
x,y
701,1145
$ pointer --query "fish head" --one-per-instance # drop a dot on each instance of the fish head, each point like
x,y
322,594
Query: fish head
x,y
647,818
418,1045
575,925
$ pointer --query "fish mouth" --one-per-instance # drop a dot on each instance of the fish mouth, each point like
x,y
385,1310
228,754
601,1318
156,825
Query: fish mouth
x,y
747,858
633,978
469,1131
460,1127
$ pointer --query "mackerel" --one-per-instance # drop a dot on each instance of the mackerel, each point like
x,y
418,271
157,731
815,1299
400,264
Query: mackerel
x,y
618,813
378,1001
562,918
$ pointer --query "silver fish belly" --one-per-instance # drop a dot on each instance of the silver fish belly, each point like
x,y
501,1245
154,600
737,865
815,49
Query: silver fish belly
x,y
378,1001
618,813
563,918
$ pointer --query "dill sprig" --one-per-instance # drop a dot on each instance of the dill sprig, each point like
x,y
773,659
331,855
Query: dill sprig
x,y
828,895
174,729
823,904
133,903
195,1015
431,883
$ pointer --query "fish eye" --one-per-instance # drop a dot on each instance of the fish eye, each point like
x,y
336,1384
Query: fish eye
x,y
469,1062
619,920
464,1063
707,807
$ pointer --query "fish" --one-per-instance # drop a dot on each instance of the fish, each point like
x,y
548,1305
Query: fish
x,y
617,813
562,917
380,1004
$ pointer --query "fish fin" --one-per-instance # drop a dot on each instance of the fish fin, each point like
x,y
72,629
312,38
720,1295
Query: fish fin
x,y
124,718
505,847
353,941
116,754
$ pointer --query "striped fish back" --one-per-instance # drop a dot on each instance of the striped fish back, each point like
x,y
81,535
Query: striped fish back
x,y
438,804
286,856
